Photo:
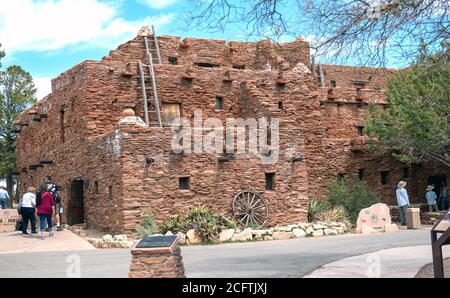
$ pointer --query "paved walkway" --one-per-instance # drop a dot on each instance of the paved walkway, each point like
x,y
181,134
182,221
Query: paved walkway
x,y
13,243
401,262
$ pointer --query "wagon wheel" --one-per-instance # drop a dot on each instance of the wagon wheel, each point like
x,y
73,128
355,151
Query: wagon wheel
x,y
250,209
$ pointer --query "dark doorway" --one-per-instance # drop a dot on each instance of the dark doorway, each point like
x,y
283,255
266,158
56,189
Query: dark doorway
x,y
437,180
75,213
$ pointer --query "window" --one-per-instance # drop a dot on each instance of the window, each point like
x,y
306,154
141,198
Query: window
x,y
170,112
238,66
280,105
96,187
361,174
110,196
219,103
360,129
384,177
406,172
173,60
333,84
270,181
61,126
183,182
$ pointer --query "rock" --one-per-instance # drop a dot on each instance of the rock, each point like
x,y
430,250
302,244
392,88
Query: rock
x,y
309,231
282,235
121,244
319,226
366,229
283,229
120,238
318,233
267,237
329,232
391,228
258,237
192,237
340,230
261,232
298,233
294,226
303,225
181,237
376,217
169,233
245,235
107,238
226,235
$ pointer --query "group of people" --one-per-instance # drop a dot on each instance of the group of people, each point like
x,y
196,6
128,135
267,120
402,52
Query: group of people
x,y
45,202
434,202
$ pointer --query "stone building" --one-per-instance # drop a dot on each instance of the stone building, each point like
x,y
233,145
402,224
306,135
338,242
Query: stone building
x,y
89,134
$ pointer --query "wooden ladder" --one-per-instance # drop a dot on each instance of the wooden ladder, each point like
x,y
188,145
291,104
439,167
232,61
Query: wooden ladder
x,y
151,76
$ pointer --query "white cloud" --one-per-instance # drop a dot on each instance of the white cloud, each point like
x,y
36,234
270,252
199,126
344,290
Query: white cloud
x,y
45,25
157,4
43,85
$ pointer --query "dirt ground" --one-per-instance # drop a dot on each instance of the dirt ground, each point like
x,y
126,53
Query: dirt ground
x,y
427,270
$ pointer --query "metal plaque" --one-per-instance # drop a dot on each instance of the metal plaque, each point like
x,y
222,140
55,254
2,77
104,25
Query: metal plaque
x,y
156,241
444,224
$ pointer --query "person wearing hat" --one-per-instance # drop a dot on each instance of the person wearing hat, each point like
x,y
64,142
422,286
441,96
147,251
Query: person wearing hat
x,y
431,199
402,201
4,196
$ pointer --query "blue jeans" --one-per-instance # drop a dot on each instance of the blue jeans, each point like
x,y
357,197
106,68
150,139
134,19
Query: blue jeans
x,y
42,218
3,204
403,210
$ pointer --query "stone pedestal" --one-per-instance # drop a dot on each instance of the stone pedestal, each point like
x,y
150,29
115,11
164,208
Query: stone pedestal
x,y
413,218
157,262
8,219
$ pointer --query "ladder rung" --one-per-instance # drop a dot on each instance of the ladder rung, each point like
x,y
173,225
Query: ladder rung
x,y
145,77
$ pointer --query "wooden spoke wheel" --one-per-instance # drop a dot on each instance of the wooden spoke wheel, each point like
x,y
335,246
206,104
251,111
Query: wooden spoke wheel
x,y
250,209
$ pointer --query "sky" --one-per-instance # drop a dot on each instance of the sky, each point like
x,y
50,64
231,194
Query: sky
x,y
47,37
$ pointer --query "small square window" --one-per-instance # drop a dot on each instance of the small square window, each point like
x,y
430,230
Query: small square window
x,y
405,172
384,177
360,129
96,187
361,174
280,105
270,181
333,84
219,103
110,196
183,182
173,60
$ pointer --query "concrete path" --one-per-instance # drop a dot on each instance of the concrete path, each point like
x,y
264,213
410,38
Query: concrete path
x,y
284,258
13,243
401,262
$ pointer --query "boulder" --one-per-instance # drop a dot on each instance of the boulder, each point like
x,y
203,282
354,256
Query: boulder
x,y
309,231
340,230
318,233
261,232
366,229
226,235
181,237
374,217
294,226
120,238
298,233
107,238
319,226
329,232
245,235
169,233
282,235
266,237
121,244
390,228
283,229
193,237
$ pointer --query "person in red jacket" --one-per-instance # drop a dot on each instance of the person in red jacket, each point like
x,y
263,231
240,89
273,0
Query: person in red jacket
x,y
45,204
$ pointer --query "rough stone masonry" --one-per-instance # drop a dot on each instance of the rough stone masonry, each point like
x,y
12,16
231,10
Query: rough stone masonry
x,y
114,169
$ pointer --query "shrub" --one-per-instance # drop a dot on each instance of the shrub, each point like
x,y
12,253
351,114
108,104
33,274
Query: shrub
x,y
207,224
338,214
316,206
147,226
351,194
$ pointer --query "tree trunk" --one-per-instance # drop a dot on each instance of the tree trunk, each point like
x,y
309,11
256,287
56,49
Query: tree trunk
x,y
10,187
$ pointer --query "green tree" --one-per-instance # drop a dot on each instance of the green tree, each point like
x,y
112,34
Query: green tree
x,y
17,92
416,123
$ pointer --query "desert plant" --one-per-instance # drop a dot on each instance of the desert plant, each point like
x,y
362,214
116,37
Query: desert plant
x,y
175,225
148,226
337,214
351,194
316,206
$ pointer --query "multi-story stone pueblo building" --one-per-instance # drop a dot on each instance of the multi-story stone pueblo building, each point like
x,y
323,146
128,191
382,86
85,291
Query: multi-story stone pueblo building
x,y
90,134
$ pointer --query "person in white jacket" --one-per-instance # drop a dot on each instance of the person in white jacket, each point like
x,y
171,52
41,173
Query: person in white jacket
x,y
28,210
